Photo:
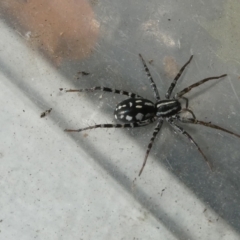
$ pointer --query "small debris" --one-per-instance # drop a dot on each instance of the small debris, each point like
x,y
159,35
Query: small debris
x,y
83,73
163,191
45,113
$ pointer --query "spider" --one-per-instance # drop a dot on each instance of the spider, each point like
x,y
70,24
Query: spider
x,y
137,111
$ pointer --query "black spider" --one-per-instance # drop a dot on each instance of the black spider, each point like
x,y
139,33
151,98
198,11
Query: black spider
x,y
137,111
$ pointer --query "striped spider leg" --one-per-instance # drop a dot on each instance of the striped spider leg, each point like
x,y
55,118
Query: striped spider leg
x,y
106,89
174,82
203,123
182,131
125,125
152,83
206,124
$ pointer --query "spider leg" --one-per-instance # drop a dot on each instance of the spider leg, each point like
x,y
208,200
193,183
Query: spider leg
x,y
206,124
125,125
182,131
155,132
187,110
173,84
187,89
106,89
186,100
153,85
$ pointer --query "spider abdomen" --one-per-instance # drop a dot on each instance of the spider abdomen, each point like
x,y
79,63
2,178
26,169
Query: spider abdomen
x,y
135,110
168,108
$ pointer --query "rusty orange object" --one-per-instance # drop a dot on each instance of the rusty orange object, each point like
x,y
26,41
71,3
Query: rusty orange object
x,y
62,29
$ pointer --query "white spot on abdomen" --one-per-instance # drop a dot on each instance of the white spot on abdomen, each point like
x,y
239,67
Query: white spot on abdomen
x,y
148,104
128,118
139,116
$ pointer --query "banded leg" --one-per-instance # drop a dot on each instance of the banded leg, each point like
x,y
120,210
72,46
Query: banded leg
x,y
173,84
182,131
125,125
187,110
106,89
187,89
206,124
186,100
155,132
153,85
